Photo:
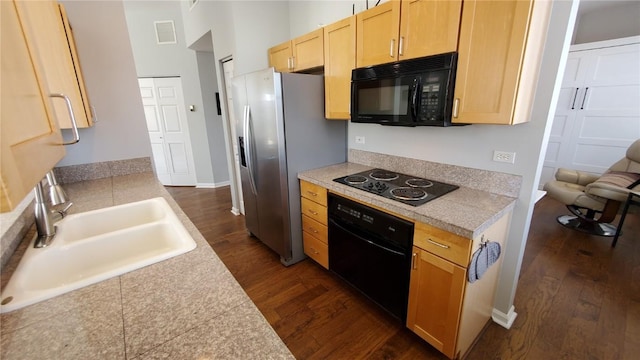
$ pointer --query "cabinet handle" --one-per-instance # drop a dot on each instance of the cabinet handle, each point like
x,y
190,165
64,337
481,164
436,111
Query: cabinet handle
x,y
438,244
293,62
313,212
456,105
314,230
573,104
413,261
401,46
312,193
392,46
74,124
584,98
315,251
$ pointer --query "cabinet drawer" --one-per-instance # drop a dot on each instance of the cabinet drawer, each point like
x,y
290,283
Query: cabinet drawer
x,y
314,210
316,249
313,192
318,230
442,243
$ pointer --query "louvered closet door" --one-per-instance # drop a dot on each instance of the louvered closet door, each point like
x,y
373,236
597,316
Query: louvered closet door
x,y
168,130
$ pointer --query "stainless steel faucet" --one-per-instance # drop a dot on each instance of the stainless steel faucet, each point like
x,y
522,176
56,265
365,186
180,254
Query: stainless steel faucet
x,y
45,215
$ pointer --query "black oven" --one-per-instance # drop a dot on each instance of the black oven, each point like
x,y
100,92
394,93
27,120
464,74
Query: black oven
x,y
371,250
415,92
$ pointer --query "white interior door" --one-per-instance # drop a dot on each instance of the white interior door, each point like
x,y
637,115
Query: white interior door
x,y
598,113
168,130
228,74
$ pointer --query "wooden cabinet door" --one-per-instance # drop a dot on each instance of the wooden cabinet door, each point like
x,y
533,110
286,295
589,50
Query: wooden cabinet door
x,y
377,34
339,60
30,138
308,51
493,35
280,57
428,27
45,31
436,291
71,40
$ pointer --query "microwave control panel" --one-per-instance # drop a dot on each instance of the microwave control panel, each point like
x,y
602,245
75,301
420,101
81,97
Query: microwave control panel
x,y
430,102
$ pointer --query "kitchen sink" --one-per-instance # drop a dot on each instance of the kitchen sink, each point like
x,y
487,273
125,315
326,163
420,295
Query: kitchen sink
x,y
94,246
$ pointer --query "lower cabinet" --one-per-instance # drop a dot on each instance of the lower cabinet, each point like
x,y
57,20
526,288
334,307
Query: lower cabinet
x,y
314,222
435,300
444,308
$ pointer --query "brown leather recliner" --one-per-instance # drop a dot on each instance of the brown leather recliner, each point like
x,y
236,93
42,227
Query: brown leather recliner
x,y
594,199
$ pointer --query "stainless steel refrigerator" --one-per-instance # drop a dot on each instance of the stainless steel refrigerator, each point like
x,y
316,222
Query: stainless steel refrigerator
x,y
281,131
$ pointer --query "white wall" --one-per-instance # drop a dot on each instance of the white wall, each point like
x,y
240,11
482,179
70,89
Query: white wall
x,y
473,145
615,19
215,127
153,60
107,63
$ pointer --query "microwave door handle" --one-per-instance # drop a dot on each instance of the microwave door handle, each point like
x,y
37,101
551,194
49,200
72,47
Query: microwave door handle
x,y
415,99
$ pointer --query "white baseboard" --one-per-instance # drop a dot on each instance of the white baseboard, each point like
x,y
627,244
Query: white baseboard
x,y
540,194
212,185
504,320
235,211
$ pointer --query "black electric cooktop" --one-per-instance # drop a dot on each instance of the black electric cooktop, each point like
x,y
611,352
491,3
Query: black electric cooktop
x,y
400,187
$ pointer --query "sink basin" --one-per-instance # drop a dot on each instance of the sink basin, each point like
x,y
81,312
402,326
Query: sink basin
x,y
94,246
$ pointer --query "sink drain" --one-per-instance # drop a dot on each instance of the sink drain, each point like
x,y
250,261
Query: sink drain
x,y
6,300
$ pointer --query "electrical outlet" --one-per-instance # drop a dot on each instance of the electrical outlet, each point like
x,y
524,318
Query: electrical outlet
x,y
504,156
359,139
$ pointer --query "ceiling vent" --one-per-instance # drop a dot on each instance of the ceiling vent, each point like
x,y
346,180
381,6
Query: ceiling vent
x,y
165,32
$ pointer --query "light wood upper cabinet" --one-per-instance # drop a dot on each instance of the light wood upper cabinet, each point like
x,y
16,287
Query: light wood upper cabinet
x,y
499,55
30,138
45,30
302,53
377,34
428,27
280,57
339,60
308,50
407,29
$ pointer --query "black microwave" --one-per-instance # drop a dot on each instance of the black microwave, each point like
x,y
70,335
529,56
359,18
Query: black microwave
x,y
415,92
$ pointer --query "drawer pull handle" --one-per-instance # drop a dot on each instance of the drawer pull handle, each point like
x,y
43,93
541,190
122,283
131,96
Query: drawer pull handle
x,y
313,212
438,244
314,231
312,193
315,251
413,261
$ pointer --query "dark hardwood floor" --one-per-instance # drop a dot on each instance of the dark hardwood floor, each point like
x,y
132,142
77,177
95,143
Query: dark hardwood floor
x,y
577,297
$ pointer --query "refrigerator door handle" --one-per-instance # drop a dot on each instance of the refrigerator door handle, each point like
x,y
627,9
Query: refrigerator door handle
x,y
249,147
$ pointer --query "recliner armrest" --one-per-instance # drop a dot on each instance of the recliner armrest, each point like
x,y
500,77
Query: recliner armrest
x,y
607,191
575,176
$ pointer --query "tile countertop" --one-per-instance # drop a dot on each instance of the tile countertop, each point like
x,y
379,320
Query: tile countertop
x,y
466,212
186,307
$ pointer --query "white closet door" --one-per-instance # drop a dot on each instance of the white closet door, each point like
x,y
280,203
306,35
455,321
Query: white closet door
x,y
168,130
598,113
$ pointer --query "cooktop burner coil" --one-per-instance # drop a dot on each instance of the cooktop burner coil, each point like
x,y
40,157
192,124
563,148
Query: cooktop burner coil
x,y
409,193
420,183
383,175
355,179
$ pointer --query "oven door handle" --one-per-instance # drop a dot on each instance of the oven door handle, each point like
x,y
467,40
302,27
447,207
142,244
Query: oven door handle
x,y
335,223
